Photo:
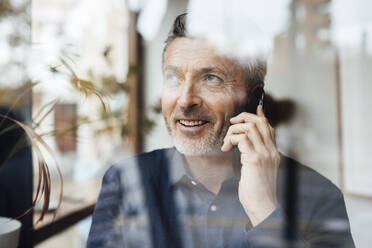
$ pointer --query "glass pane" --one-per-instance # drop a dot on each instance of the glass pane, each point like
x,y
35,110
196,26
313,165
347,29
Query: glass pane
x,y
238,124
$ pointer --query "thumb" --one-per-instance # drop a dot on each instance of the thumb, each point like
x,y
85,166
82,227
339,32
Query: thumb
x,y
260,111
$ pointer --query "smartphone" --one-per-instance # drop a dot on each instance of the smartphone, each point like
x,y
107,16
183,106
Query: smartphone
x,y
257,98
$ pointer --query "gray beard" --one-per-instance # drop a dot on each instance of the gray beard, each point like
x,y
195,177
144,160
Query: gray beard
x,y
210,144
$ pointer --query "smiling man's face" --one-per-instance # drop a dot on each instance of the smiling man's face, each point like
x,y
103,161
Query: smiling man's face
x,y
201,92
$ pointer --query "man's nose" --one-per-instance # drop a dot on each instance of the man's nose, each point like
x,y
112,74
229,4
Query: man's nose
x,y
189,96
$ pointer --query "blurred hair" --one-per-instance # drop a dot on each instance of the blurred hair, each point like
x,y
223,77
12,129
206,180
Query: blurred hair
x,y
255,69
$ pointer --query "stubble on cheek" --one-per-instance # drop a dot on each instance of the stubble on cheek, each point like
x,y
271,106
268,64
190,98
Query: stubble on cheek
x,y
210,142
206,143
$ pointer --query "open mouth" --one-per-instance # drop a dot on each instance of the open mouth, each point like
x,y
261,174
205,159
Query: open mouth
x,y
192,123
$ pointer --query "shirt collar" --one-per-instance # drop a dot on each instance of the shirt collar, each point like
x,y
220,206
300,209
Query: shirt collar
x,y
178,166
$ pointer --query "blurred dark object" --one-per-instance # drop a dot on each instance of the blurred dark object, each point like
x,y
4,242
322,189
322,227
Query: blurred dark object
x,y
278,111
291,198
16,174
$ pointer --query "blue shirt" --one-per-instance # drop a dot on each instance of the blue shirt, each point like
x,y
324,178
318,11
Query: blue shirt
x,y
151,200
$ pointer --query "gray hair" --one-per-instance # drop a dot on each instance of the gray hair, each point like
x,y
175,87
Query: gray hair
x,y
255,69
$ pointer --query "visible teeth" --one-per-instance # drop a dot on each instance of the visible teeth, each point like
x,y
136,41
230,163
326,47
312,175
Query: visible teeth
x,y
191,123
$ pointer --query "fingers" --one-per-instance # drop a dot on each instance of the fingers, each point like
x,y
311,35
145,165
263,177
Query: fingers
x,y
244,116
266,131
247,131
272,134
260,111
240,140
260,116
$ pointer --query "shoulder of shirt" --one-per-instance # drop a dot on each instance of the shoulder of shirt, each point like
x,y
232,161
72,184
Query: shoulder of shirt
x,y
146,161
308,178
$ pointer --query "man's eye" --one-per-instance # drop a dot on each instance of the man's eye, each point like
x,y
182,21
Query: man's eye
x,y
171,78
213,78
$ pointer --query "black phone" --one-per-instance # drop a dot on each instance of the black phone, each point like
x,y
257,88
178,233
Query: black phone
x,y
257,98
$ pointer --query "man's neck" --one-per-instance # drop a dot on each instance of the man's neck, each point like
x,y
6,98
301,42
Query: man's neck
x,y
211,170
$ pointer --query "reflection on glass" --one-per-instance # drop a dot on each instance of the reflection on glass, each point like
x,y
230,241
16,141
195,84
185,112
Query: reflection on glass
x,y
100,91
224,184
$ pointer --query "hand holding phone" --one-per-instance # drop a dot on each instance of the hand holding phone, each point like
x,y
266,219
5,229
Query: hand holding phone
x,y
259,157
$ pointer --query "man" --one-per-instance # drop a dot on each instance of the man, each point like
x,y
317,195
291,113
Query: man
x,y
222,185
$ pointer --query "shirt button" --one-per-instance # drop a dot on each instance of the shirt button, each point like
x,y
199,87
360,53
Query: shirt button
x,y
193,182
213,208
